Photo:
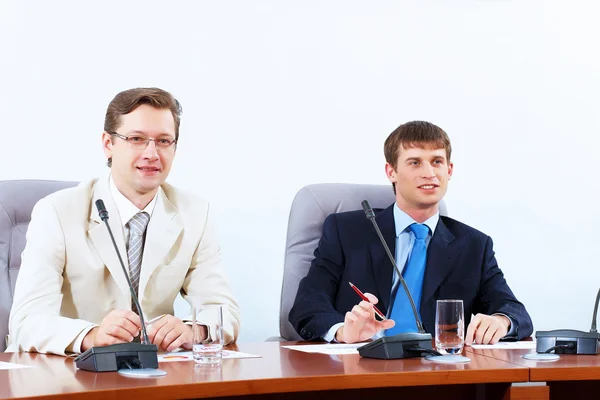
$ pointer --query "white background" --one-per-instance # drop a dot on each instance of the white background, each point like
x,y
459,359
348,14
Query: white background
x,y
280,94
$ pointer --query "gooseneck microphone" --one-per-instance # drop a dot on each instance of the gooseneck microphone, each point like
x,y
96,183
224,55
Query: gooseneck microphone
x,y
403,345
371,216
593,328
104,217
570,341
129,359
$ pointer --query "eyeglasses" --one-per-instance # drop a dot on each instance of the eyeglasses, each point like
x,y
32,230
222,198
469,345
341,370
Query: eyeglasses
x,y
140,142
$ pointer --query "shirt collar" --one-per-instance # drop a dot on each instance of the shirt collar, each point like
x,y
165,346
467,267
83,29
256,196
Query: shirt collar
x,y
125,207
402,220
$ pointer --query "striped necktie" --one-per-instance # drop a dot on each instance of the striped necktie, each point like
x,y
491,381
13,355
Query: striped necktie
x,y
135,249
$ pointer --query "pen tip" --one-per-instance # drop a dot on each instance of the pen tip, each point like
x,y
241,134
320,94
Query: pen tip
x,y
350,283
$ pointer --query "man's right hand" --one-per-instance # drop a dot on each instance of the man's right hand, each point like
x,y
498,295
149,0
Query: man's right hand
x,y
360,323
119,326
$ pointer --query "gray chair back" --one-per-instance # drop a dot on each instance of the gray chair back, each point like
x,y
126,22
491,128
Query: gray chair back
x,y
312,204
17,198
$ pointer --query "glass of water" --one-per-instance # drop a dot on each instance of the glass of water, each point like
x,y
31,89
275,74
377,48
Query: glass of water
x,y
449,326
208,349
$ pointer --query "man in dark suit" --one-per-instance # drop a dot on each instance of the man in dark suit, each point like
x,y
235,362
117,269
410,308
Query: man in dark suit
x,y
440,258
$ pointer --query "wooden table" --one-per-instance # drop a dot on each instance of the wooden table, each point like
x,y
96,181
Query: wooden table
x,y
571,377
280,373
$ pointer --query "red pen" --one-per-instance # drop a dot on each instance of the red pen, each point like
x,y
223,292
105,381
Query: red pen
x,y
362,296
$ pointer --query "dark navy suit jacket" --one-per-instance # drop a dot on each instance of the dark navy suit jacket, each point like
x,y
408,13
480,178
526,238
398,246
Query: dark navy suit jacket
x,y
460,265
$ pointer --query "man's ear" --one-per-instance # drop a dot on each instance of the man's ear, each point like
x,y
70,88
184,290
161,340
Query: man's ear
x,y
390,172
107,143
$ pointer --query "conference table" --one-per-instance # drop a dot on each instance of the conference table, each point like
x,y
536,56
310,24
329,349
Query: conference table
x,y
282,373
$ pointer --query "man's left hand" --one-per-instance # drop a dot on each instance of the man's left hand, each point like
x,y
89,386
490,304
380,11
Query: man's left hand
x,y
170,333
487,329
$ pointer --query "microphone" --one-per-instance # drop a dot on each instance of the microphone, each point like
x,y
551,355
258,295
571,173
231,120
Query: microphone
x,y
130,359
371,216
104,217
403,345
570,341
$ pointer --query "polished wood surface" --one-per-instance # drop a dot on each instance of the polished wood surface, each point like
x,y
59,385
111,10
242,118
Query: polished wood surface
x,y
528,393
567,368
570,377
279,371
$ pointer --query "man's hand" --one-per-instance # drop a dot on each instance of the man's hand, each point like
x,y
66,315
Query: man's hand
x,y
487,329
170,333
119,326
360,323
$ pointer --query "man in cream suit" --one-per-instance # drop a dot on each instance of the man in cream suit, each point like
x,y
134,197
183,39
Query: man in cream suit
x,y
71,293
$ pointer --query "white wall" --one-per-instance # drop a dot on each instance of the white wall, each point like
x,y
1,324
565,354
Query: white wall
x,y
279,94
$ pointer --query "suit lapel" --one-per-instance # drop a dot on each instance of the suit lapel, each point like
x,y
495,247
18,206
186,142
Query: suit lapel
x,y
98,234
440,260
161,234
383,270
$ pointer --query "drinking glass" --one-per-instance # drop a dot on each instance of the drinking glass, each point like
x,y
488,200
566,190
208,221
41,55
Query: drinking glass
x,y
449,326
208,350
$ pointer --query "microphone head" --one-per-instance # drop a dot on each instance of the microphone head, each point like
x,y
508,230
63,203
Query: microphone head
x,y
368,210
101,210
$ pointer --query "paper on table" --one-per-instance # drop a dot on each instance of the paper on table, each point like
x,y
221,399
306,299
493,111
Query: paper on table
x,y
328,348
7,365
189,356
507,345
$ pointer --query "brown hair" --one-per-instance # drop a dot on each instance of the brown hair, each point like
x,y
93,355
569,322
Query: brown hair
x,y
128,100
415,134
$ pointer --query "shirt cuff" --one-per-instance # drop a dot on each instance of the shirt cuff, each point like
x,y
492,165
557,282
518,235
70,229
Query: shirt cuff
x,y
208,337
512,330
330,335
75,347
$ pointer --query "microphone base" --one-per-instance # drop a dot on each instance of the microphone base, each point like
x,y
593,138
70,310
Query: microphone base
x,y
118,356
398,346
583,342
142,373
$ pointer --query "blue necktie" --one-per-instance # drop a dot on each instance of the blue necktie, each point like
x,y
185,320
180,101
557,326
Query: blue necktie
x,y
413,274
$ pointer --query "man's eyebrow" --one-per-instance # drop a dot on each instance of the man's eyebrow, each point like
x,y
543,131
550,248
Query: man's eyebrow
x,y
146,134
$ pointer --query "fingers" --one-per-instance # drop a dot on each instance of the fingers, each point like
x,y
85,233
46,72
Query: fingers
x,y
497,336
119,326
372,298
153,328
170,333
363,309
387,324
128,315
118,332
482,330
128,326
360,323
350,317
161,333
176,343
486,329
471,329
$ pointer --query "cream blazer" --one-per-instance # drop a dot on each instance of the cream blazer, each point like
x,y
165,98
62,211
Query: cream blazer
x,y
70,277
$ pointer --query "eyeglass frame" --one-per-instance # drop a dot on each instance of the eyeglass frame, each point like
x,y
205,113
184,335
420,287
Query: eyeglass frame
x,y
148,139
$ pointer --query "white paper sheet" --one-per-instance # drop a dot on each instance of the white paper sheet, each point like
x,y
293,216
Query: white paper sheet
x,y
7,365
507,345
188,356
328,348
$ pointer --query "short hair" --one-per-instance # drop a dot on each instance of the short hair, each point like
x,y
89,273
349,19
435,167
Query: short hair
x,y
128,100
415,134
